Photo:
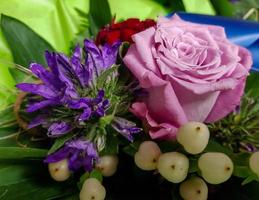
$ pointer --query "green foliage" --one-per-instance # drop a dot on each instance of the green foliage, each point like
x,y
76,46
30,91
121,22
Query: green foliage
x,y
240,129
25,44
91,22
96,174
223,7
132,148
23,153
112,144
30,180
82,180
59,142
247,9
252,85
101,12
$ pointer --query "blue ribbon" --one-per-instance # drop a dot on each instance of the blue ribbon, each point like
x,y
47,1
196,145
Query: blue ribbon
x,y
243,33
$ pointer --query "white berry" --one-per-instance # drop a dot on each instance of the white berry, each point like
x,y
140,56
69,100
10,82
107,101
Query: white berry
x,y
215,167
254,163
59,171
194,189
108,165
173,166
147,156
194,136
92,189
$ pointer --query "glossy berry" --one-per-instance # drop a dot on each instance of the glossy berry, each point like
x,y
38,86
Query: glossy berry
x,y
147,156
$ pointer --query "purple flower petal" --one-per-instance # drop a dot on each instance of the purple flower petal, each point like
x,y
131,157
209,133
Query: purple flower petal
x,y
59,128
79,152
40,119
58,155
80,103
42,104
52,62
38,89
125,128
100,96
66,75
99,112
85,115
105,104
100,59
109,54
46,76
81,71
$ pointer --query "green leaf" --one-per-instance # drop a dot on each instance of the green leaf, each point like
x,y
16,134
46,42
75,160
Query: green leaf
x,y
30,180
7,116
132,148
82,180
243,7
59,142
105,75
194,6
223,7
193,165
167,146
99,15
106,120
112,145
96,174
252,85
242,171
26,46
21,153
241,159
249,179
213,146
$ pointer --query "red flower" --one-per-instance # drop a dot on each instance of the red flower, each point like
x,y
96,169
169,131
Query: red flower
x,y
122,31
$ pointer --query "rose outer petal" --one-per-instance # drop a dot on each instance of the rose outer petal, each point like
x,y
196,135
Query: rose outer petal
x,y
157,131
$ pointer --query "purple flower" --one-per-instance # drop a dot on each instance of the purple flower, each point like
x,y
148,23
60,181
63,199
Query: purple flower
x,y
79,153
99,59
65,86
125,128
59,128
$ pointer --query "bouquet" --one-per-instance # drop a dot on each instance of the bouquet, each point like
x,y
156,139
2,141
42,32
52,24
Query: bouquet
x,y
165,101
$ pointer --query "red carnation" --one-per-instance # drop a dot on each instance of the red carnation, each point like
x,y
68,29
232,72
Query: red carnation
x,y
123,30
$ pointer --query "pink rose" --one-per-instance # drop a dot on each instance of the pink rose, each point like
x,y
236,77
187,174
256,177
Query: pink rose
x,y
191,71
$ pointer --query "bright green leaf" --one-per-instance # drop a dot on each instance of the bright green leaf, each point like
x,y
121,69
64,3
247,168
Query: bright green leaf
x,y
199,6
59,142
193,165
105,75
112,145
22,153
216,147
96,174
223,7
252,85
25,44
100,12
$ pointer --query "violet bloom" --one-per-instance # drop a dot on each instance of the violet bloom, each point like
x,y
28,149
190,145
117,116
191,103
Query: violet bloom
x,y
126,128
79,153
66,99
